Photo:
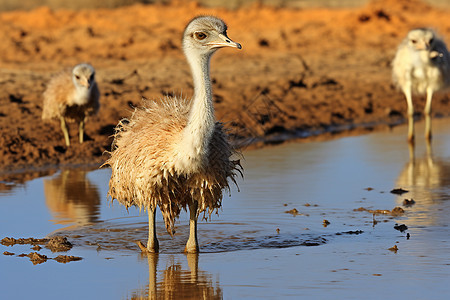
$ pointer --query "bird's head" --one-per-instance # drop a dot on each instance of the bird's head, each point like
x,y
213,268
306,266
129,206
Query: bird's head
x,y
421,39
83,75
206,34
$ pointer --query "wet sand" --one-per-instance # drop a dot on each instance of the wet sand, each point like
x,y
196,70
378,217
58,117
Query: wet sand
x,y
301,72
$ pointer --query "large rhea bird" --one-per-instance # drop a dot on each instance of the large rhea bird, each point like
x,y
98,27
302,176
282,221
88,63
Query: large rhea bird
x,y
172,153
72,95
422,66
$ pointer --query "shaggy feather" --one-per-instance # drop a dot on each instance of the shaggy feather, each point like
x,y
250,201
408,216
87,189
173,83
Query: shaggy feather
x,y
143,171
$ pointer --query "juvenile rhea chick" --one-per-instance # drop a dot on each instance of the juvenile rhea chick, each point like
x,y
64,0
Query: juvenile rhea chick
x,y
421,65
72,95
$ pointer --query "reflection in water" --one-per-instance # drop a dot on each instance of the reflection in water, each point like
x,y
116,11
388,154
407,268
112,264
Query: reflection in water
x,y
10,181
177,283
427,180
71,198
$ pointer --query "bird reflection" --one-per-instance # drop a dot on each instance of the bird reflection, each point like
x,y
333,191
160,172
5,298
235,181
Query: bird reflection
x,y
422,172
11,181
427,179
71,198
176,283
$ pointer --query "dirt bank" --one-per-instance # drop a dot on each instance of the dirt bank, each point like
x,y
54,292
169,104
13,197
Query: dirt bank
x,y
300,71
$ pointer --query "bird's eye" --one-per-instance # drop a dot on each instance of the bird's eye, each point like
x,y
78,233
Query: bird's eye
x,y
200,35
413,41
77,77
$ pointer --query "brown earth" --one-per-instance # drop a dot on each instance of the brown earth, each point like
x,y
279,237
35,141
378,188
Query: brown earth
x,y
301,72
55,243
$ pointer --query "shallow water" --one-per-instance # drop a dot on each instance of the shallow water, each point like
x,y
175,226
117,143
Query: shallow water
x,y
253,248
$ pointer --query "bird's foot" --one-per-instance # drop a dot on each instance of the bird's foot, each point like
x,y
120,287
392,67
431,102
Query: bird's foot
x,y
141,246
145,249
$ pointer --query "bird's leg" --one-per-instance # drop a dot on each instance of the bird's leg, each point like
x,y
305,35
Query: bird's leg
x,y
65,131
192,243
81,130
407,92
152,243
428,114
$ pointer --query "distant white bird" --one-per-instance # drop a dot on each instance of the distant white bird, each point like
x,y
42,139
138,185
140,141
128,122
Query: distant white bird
x,y
72,94
421,65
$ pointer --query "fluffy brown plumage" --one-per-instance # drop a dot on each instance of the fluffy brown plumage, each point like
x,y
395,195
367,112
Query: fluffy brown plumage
x,y
72,95
172,153
145,143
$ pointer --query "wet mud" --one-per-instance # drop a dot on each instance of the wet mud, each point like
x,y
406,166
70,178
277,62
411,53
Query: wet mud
x,y
398,191
37,258
55,244
395,212
401,227
295,212
408,202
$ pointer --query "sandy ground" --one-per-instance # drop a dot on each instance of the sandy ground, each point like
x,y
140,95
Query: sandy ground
x,y
300,72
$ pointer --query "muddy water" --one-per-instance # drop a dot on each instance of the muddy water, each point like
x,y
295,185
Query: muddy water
x,y
253,249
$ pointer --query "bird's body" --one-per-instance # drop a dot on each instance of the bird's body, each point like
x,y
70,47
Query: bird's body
x,y
72,95
172,153
151,175
421,66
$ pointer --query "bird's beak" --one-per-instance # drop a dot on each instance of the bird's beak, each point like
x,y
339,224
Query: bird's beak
x,y
424,46
86,83
224,41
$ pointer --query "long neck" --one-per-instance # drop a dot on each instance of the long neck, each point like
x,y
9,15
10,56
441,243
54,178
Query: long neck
x,y
200,127
202,111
